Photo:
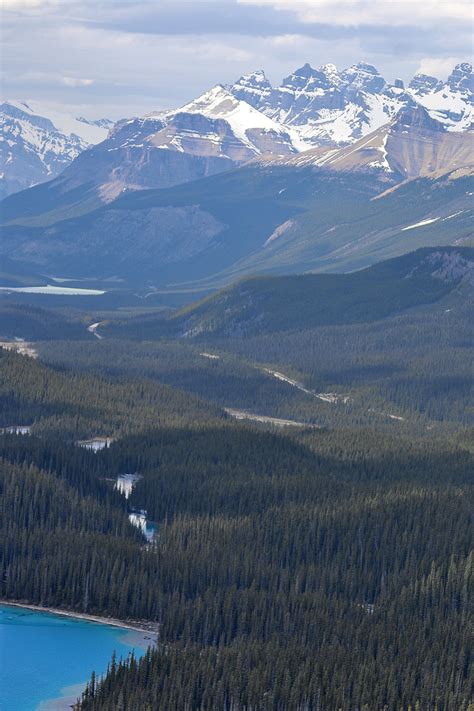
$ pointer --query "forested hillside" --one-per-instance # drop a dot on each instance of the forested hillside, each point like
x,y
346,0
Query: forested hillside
x,y
323,566
74,406
236,357
275,304
291,570
280,584
411,371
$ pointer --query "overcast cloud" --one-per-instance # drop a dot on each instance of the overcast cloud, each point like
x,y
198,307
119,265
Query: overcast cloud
x,y
114,58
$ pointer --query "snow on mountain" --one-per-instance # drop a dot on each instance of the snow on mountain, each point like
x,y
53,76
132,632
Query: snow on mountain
x,y
325,106
230,125
89,131
212,133
411,145
38,142
257,132
451,102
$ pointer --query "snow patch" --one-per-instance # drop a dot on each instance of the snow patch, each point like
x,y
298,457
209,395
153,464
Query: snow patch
x,y
52,290
420,224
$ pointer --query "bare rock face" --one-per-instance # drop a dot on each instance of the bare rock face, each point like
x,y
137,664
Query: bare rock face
x,y
423,84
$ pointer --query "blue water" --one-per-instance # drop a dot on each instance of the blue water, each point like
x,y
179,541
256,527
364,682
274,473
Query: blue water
x,y
42,654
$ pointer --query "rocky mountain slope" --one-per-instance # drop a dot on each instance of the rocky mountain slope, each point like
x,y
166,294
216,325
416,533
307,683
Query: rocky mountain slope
x,y
228,126
213,133
205,219
37,143
411,145
326,106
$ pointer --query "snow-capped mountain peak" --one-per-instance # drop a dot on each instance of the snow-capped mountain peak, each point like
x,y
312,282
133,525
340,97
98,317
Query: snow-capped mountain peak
x,y
219,103
232,124
363,77
461,79
449,102
89,131
326,106
38,142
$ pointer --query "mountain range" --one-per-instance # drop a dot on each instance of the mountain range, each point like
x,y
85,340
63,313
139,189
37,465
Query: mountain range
x,y
226,126
330,171
38,142
331,107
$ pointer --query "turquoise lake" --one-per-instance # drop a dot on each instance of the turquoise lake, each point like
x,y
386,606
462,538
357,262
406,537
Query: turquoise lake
x,y
46,659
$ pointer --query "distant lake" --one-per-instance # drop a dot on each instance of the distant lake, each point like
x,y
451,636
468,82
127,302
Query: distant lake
x,y
46,659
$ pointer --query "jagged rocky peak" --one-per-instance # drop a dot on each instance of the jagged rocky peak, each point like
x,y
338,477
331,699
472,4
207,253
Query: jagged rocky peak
x,y
363,77
254,88
308,79
326,77
300,77
461,78
415,116
399,84
254,79
330,70
424,83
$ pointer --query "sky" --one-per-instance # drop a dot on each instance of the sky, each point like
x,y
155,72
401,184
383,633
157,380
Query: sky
x,y
114,58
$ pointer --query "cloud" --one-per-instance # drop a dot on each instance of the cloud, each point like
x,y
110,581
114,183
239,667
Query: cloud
x,y
370,12
20,4
75,82
434,66
123,57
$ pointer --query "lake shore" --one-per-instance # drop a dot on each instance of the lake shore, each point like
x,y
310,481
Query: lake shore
x,y
142,626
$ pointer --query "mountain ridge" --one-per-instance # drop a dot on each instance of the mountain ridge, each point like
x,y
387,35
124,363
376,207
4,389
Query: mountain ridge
x,y
231,124
332,107
38,142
